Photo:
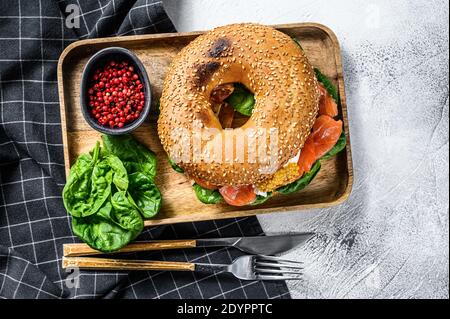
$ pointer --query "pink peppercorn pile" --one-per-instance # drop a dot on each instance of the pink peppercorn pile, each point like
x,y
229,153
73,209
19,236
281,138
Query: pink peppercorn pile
x,y
116,95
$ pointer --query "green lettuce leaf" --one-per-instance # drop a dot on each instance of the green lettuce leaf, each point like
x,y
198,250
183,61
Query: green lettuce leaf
x,y
337,148
109,191
125,214
134,155
84,193
175,167
298,43
207,196
329,86
301,183
261,199
101,231
144,194
242,100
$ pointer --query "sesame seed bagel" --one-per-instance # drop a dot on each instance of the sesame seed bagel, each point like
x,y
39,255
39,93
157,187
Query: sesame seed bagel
x,y
274,68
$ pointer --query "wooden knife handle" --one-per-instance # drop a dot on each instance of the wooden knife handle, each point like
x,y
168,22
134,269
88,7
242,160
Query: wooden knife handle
x,y
95,263
73,250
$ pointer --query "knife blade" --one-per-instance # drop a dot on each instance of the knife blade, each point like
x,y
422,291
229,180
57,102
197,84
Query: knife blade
x,y
261,245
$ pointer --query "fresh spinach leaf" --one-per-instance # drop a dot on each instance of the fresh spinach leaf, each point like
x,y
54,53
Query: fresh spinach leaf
x,y
140,163
175,167
109,191
106,172
101,180
242,100
329,86
261,199
120,176
125,214
134,155
302,182
111,170
207,196
83,195
340,145
144,194
100,231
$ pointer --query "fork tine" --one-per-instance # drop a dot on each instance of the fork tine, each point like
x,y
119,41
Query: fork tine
x,y
277,265
277,271
277,278
278,259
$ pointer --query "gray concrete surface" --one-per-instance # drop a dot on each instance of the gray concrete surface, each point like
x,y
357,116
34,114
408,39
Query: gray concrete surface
x,y
390,239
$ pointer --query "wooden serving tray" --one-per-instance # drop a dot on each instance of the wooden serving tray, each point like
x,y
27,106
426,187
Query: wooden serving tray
x,y
331,186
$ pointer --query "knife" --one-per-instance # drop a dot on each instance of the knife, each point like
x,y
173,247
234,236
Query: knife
x,y
261,245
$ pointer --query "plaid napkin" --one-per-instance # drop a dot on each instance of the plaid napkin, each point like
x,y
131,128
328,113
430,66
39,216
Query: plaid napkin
x,y
33,223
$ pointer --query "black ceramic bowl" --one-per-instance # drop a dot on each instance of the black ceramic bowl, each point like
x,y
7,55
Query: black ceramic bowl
x,y
99,60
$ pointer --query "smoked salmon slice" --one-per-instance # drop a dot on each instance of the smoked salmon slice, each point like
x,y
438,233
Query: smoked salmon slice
x,y
327,105
307,157
238,195
325,134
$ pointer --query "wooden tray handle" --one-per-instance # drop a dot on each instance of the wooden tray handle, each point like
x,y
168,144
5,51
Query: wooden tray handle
x,y
73,250
94,263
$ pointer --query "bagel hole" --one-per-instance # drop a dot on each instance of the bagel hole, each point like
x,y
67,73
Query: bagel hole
x,y
221,98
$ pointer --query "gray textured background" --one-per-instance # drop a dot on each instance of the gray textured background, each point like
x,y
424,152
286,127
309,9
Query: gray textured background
x,y
390,239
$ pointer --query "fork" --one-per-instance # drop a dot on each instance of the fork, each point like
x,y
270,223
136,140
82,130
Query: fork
x,y
250,267
257,267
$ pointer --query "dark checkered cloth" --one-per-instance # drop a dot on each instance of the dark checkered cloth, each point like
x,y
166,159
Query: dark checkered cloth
x,y
33,223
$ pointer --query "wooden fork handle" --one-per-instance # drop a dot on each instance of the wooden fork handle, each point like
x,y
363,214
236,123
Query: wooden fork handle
x,y
94,263
73,250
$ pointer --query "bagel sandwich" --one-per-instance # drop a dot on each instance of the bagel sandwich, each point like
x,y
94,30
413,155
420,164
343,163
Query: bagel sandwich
x,y
244,115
